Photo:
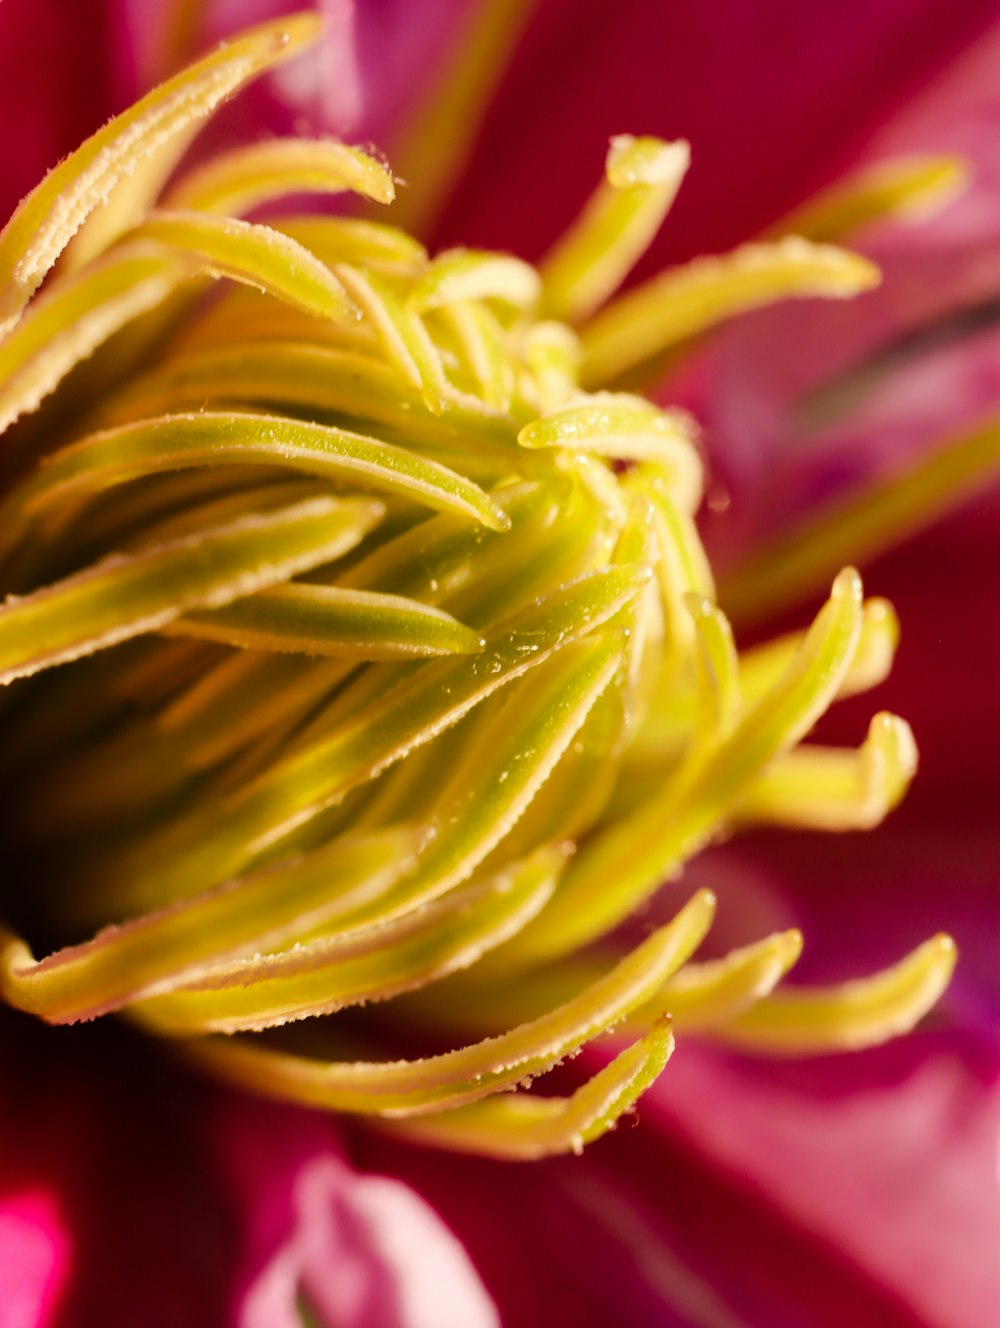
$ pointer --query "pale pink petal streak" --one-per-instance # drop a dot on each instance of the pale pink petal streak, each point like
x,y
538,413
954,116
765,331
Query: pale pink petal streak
x,y
366,1252
361,1251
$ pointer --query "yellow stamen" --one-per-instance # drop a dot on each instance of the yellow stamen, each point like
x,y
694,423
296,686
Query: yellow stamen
x,y
909,188
684,301
594,256
853,1014
247,177
384,663
828,789
519,1127
53,212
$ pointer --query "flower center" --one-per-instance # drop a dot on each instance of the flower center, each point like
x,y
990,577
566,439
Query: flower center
x,y
361,646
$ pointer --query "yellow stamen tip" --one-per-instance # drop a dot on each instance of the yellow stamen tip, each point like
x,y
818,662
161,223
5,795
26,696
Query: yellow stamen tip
x,y
635,161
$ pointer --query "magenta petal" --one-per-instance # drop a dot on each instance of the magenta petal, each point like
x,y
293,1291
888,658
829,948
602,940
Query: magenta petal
x,y
65,69
377,59
642,1230
775,97
107,1200
891,1161
381,57
778,448
34,1259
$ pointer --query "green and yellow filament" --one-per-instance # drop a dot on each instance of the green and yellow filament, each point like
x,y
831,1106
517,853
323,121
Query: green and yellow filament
x,y
360,645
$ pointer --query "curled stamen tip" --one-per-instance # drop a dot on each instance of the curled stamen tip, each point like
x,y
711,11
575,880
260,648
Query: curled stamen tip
x,y
936,960
645,160
933,966
845,272
881,613
943,948
887,726
848,585
705,901
884,721
788,945
860,274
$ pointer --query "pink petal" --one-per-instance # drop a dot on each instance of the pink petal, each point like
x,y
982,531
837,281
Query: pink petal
x,y
775,97
64,71
362,1251
642,1230
34,1259
105,1183
892,1162
381,57
754,397
376,60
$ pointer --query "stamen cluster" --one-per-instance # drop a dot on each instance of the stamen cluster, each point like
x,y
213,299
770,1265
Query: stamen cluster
x,y
377,654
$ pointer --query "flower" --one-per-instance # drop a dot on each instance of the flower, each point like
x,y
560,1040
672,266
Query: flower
x,y
159,962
